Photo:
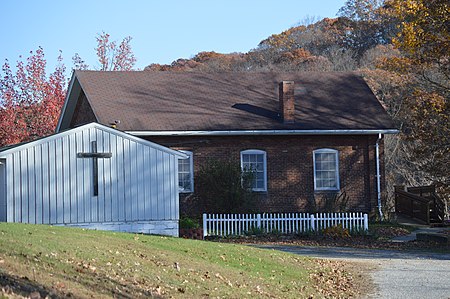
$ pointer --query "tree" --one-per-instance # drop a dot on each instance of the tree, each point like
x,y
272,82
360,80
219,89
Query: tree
x,y
111,56
30,102
79,63
424,37
361,10
366,25
424,42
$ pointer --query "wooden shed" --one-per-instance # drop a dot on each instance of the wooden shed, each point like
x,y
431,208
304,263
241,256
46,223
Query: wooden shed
x,y
91,176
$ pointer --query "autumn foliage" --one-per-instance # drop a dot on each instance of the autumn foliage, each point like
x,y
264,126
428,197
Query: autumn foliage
x,y
31,101
113,56
423,38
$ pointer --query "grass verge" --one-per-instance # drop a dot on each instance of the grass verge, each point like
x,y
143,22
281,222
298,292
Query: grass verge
x,y
69,262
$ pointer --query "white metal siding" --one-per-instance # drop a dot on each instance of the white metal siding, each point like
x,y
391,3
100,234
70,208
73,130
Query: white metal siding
x,y
48,183
2,191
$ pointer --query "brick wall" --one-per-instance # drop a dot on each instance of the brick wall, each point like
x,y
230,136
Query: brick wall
x,y
290,179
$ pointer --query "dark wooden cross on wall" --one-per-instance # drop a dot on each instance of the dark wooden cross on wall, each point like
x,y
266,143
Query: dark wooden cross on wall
x,y
95,156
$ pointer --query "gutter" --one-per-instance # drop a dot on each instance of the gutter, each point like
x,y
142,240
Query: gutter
x,y
262,132
377,154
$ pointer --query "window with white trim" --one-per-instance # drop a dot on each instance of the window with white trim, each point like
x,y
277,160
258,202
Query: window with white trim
x,y
326,169
186,173
255,161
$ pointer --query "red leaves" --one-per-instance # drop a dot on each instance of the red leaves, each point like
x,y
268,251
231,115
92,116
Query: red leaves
x,y
30,103
112,57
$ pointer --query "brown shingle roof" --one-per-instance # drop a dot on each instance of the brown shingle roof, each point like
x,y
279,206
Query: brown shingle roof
x,y
173,101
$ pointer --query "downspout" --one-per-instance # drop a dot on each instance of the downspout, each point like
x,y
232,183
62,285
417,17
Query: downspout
x,y
377,154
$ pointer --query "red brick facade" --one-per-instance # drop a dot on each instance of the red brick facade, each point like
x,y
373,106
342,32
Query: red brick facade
x,y
290,178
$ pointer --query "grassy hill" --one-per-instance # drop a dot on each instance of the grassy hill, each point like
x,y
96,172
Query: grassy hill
x,y
68,262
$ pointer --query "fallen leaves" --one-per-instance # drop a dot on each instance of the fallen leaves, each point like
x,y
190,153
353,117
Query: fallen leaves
x,y
332,280
122,267
217,275
358,241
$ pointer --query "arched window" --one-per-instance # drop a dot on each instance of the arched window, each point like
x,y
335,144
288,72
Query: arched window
x,y
326,169
255,161
186,173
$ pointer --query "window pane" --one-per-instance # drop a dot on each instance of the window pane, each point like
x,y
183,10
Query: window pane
x,y
318,158
333,183
260,184
326,174
254,184
185,174
255,164
260,176
332,165
183,178
319,183
318,175
318,166
185,182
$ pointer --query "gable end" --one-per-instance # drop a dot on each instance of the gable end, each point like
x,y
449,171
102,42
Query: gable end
x,y
83,113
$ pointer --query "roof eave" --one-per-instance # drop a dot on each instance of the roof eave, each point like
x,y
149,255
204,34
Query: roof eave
x,y
66,100
21,146
264,132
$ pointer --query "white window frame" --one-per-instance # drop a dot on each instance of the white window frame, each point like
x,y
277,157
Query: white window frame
x,y
327,151
256,152
191,172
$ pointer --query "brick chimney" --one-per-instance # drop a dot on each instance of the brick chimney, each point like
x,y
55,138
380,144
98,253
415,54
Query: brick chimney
x,y
287,101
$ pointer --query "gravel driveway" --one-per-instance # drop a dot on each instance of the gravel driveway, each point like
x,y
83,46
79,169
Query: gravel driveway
x,y
396,274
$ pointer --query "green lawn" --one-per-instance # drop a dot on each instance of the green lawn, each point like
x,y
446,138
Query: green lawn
x,y
83,263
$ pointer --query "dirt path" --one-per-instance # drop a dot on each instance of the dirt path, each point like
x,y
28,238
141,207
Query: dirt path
x,y
395,274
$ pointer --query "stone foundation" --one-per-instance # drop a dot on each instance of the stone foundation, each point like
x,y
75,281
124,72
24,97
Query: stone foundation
x,y
157,227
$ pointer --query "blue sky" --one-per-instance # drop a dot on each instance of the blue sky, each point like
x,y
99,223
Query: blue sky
x,y
162,31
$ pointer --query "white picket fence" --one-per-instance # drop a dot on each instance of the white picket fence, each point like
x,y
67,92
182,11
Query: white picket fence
x,y
285,223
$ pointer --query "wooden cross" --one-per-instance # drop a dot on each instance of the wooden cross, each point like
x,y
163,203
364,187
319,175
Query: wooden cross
x,y
95,156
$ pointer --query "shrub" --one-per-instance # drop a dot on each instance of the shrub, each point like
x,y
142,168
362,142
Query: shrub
x,y
336,232
222,187
254,231
337,202
188,223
